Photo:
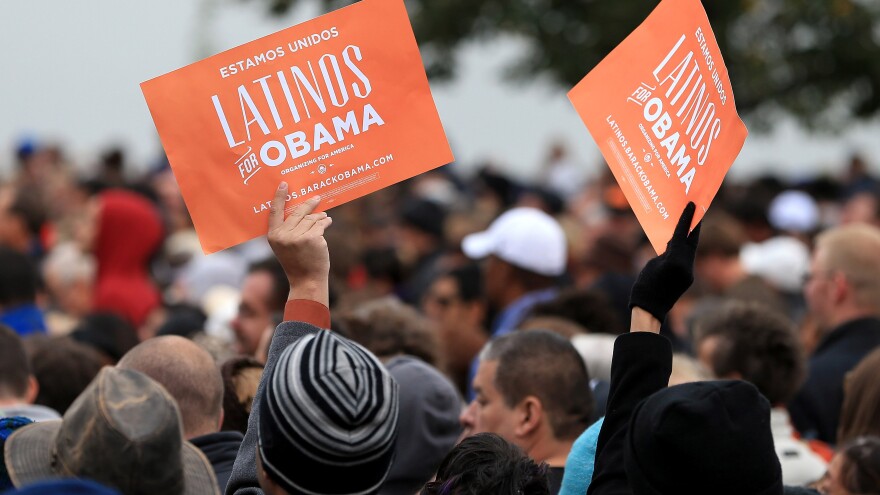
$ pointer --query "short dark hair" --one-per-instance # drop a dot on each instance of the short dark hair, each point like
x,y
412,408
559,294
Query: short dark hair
x,y
108,333
15,369
280,285
589,308
63,368
543,364
18,278
721,235
382,263
757,343
28,205
487,463
530,280
468,281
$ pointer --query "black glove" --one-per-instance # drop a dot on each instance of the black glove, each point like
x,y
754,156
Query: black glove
x,y
666,277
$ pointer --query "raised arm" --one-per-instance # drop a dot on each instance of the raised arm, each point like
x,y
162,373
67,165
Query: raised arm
x,y
642,359
298,243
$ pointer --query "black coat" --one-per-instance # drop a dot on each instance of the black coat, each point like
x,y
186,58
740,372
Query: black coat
x,y
641,366
220,448
815,411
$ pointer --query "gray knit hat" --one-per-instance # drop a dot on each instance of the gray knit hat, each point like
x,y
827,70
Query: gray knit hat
x,y
328,418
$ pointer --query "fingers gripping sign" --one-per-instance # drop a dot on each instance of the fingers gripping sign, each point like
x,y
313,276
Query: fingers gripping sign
x,y
665,278
298,243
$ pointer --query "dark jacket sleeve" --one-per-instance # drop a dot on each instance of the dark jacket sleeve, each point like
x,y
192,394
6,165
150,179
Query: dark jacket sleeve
x,y
244,473
641,365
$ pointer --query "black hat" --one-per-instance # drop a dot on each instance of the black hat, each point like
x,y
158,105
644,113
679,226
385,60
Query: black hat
x,y
705,437
424,215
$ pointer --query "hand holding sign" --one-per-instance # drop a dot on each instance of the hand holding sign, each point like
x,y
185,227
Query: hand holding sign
x,y
338,106
298,243
665,278
661,109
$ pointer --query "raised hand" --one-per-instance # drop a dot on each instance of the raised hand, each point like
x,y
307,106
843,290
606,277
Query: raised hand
x,y
298,243
665,278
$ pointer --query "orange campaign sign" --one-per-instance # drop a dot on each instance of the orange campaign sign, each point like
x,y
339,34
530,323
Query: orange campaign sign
x,y
338,106
661,109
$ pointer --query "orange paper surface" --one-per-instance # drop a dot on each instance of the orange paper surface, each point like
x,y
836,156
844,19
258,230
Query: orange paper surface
x,y
661,109
337,106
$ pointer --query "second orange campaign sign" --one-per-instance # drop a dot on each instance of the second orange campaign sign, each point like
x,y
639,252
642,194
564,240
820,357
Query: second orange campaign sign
x,y
338,106
661,109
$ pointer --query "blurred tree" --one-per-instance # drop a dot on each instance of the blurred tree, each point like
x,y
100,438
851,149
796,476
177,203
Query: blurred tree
x,y
818,60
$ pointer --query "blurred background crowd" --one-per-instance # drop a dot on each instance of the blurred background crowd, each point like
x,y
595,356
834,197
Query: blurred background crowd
x,y
93,265
493,299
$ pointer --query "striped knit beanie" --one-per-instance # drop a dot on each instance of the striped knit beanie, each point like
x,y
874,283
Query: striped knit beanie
x,y
328,418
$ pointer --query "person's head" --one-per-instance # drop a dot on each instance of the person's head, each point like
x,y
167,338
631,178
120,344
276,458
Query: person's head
x,y
18,280
717,262
22,215
17,384
589,308
532,388
108,333
487,463
241,377
844,278
454,301
420,230
855,469
63,368
328,419
188,373
752,343
124,432
526,251
388,327
70,278
714,435
860,414
861,207
264,293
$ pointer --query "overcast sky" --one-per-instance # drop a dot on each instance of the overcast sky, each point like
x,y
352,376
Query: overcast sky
x,y
71,72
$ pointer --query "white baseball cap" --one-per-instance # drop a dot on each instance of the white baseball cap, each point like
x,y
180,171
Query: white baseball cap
x,y
781,261
525,237
794,211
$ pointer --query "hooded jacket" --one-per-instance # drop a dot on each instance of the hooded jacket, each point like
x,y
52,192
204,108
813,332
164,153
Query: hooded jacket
x,y
128,234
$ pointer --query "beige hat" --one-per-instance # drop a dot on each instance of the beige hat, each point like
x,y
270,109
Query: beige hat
x,y
123,431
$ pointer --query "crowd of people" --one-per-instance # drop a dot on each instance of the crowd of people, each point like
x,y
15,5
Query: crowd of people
x,y
446,335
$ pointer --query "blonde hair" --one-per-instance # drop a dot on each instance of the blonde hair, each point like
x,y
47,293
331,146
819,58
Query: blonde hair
x,y
854,250
686,369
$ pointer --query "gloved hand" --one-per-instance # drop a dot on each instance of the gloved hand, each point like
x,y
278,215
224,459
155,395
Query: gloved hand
x,y
666,277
